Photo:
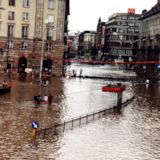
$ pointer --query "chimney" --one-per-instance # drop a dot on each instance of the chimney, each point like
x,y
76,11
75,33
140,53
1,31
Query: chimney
x,y
144,11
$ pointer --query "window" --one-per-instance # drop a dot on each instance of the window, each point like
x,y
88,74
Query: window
x,y
114,37
129,52
11,15
50,18
122,30
113,51
25,31
121,51
114,30
10,31
25,3
49,33
51,4
130,30
24,45
137,24
118,17
124,23
130,18
124,17
10,44
0,26
48,46
136,18
136,30
130,24
25,16
11,2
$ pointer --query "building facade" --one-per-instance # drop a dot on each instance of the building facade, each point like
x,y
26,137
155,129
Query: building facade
x,y
87,43
100,36
122,31
149,43
32,29
72,44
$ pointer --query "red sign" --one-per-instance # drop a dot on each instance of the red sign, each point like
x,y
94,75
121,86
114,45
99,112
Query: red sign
x,y
131,10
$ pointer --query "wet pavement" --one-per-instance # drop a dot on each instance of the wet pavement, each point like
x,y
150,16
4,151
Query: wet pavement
x,y
131,134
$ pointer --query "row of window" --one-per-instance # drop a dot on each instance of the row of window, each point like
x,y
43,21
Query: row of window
x,y
10,32
121,51
127,17
120,37
124,30
151,22
125,23
131,24
25,16
24,45
25,31
26,3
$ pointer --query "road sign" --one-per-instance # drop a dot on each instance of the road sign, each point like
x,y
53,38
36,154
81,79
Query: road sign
x,y
35,125
158,66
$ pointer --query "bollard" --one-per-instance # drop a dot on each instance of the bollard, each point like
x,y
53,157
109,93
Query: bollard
x,y
80,121
34,133
72,123
119,99
55,128
98,114
33,136
44,135
64,126
93,115
87,119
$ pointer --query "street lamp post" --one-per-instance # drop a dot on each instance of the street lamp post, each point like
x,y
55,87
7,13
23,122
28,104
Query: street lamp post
x,y
41,60
42,50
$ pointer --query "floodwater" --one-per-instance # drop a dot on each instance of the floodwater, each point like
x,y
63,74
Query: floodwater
x,y
131,134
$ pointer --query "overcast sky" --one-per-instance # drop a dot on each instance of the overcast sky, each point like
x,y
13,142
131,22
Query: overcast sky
x,y
84,14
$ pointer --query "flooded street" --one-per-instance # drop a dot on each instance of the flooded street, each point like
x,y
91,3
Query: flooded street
x,y
131,134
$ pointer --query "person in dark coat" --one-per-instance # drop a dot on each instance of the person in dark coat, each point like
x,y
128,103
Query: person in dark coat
x,y
50,97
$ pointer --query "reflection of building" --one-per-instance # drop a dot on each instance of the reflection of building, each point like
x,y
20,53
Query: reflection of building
x,y
25,25
121,32
149,41
86,41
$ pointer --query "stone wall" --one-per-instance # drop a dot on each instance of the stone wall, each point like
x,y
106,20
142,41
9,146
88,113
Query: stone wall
x,y
33,55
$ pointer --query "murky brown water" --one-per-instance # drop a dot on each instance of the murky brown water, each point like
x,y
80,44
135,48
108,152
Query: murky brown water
x,y
132,134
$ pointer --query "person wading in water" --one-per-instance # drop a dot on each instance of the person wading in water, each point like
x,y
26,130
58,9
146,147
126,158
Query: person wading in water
x,y
50,97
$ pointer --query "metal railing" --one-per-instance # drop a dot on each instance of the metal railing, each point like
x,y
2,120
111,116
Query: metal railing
x,y
81,120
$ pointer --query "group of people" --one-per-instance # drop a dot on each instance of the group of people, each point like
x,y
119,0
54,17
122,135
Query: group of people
x,y
69,74
5,84
47,99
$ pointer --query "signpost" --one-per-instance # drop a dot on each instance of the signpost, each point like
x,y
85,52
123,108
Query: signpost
x,y
158,66
35,125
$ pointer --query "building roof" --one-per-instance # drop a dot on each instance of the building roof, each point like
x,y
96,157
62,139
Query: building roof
x,y
153,11
123,14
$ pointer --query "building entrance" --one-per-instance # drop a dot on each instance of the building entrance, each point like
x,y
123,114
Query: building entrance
x,y
22,64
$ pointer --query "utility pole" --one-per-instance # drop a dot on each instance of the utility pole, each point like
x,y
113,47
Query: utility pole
x,y
41,60
44,33
8,65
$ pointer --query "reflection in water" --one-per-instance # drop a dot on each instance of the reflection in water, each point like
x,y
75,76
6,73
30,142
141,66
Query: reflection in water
x,y
131,134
